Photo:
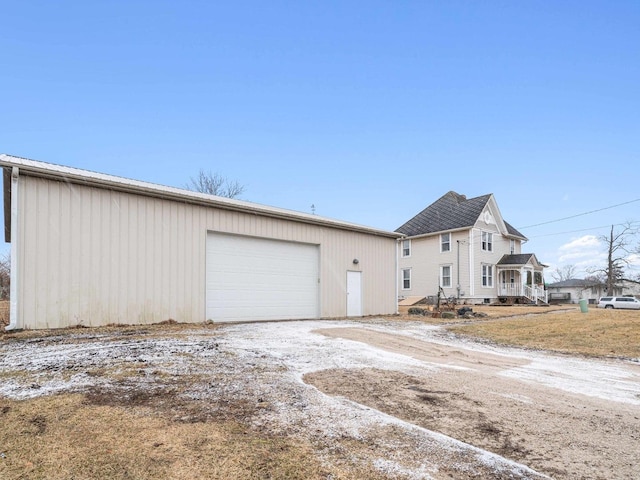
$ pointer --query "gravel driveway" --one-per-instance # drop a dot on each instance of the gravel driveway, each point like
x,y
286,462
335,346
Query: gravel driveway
x,y
418,401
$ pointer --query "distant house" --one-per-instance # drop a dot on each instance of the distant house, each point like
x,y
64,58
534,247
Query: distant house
x,y
467,249
575,289
630,287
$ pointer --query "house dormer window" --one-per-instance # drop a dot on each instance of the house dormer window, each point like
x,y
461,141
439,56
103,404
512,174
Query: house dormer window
x,y
512,246
487,241
406,248
445,242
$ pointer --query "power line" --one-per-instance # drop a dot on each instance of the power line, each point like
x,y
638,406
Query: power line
x,y
580,214
584,229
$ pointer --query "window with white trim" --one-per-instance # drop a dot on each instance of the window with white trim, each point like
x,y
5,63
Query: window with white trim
x,y
512,246
406,279
445,242
445,276
487,241
406,248
487,275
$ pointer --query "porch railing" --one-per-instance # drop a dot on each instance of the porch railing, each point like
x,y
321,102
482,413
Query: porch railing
x,y
533,293
510,290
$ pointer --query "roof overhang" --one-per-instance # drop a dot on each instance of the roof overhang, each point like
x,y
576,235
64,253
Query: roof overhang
x,y
111,182
424,235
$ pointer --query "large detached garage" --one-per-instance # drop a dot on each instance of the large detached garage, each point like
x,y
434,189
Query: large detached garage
x,y
93,249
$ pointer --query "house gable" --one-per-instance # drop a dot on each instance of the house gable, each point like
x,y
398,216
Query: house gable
x,y
519,260
454,211
491,219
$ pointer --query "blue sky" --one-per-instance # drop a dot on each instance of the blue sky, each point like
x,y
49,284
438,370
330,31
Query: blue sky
x,y
368,110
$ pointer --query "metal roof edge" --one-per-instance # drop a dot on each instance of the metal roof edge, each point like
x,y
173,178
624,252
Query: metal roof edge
x,y
88,177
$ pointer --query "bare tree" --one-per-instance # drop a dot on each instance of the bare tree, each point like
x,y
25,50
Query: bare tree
x,y
5,275
618,250
596,279
214,184
565,273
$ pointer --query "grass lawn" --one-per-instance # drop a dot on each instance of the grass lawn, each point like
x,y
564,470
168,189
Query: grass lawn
x,y
65,436
598,332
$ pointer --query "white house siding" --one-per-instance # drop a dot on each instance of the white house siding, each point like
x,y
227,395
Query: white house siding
x,y
500,247
425,262
93,256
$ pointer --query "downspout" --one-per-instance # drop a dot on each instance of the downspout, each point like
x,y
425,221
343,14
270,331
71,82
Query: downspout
x,y
458,268
472,270
398,247
13,288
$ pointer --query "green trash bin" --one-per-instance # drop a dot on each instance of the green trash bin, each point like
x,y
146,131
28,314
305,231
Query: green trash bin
x,y
584,307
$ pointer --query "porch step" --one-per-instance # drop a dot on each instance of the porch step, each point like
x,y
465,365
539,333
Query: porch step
x,y
518,301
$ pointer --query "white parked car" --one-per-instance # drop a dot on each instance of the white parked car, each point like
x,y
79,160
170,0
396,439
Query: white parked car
x,y
619,302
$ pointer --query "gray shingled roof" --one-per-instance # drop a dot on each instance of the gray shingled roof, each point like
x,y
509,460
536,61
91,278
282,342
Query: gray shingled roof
x,y
515,259
512,230
450,212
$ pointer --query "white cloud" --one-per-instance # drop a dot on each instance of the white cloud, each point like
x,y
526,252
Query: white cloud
x,y
583,253
585,250
634,259
583,242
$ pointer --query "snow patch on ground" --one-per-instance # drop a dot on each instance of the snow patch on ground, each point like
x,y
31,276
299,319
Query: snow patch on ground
x,y
264,363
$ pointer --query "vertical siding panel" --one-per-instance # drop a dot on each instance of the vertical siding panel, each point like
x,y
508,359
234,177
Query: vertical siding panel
x,y
75,246
129,290
190,262
28,253
67,243
143,245
170,267
117,252
107,240
161,260
180,262
192,227
206,220
49,213
125,256
89,261
46,249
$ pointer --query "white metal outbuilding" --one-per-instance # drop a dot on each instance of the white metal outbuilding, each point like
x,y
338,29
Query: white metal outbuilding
x,y
94,249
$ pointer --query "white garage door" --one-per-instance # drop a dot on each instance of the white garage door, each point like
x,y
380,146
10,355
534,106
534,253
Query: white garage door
x,y
250,278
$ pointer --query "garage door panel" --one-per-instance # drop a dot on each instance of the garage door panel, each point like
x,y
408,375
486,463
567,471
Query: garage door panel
x,y
250,278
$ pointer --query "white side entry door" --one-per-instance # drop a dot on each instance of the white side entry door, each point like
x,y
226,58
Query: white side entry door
x,y
354,294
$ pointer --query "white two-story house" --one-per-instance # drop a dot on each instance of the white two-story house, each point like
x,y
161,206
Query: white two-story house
x,y
464,246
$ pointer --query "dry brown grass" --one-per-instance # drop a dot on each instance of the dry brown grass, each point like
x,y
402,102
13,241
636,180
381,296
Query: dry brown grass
x,y
598,332
65,436
4,313
489,310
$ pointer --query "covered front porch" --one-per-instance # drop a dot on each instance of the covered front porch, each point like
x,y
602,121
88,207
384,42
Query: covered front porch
x,y
521,279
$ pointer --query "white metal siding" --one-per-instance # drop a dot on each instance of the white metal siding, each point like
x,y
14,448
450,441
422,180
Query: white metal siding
x,y
94,256
252,278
